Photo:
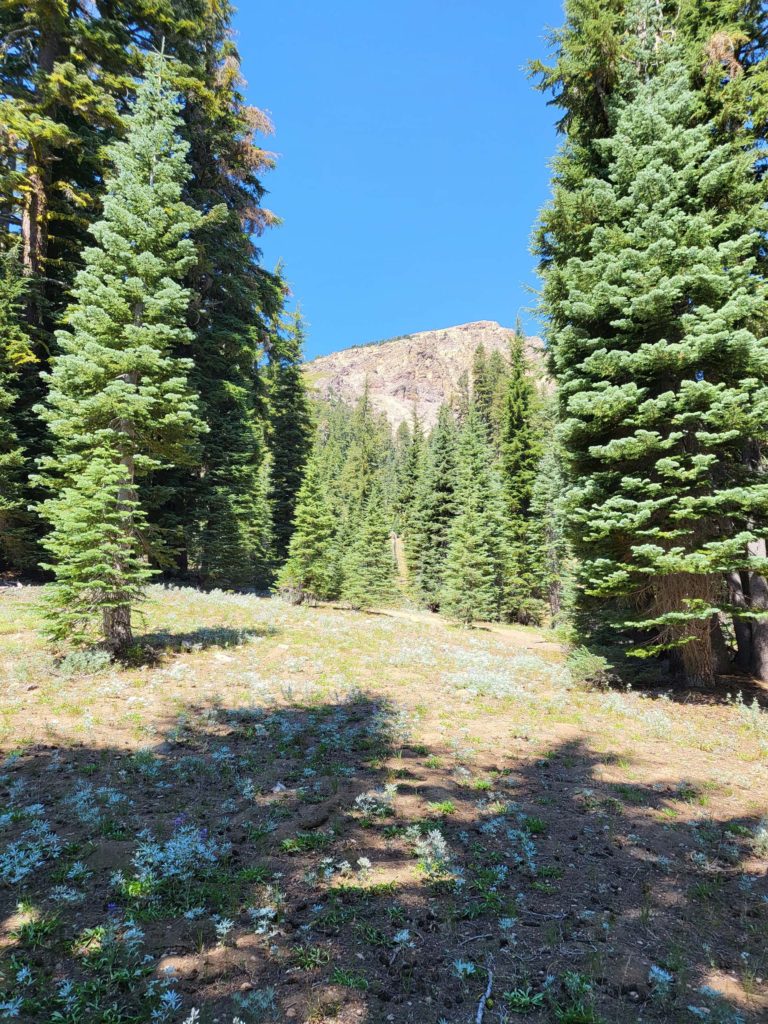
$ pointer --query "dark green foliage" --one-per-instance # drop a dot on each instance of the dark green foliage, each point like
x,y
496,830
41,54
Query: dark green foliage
x,y
550,565
289,430
369,566
17,547
119,403
520,433
520,446
311,571
475,577
409,451
434,511
482,385
470,587
654,321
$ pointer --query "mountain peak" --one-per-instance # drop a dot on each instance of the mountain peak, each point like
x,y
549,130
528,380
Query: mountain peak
x,y
415,372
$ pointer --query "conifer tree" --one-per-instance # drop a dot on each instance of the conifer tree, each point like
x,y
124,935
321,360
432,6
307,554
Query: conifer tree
x,y
17,541
369,567
311,571
290,428
119,403
470,587
434,511
550,560
482,385
655,312
476,566
409,452
520,445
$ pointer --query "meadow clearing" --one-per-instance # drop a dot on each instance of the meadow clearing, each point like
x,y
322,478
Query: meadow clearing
x,y
311,814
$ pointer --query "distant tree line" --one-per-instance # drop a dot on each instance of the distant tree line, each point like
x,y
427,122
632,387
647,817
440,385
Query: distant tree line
x,y
478,523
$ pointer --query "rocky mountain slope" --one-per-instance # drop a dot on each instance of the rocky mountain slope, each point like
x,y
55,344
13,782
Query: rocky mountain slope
x,y
418,371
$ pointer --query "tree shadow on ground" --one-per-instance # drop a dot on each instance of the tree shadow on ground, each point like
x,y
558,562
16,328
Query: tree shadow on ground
x,y
273,876
171,641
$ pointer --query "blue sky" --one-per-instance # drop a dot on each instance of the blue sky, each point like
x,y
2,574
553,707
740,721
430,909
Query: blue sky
x,y
413,158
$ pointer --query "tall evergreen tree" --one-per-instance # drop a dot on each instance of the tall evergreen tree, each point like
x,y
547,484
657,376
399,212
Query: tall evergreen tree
x,y
369,567
409,449
434,511
311,571
482,384
551,566
17,541
476,567
119,403
470,586
653,310
520,446
290,427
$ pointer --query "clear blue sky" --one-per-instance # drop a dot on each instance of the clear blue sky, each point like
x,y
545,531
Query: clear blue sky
x,y
413,158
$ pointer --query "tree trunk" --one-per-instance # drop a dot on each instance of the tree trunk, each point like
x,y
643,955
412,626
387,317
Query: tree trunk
x,y
758,587
118,635
738,585
35,212
693,660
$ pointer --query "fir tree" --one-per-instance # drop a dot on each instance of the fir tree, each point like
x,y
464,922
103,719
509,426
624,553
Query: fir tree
x,y
482,385
520,445
119,403
476,567
17,541
311,571
290,428
653,319
550,560
434,511
409,452
369,567
470,587
217,514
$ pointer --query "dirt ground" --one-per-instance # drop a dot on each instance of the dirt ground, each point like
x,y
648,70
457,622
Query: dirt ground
x,y
311,815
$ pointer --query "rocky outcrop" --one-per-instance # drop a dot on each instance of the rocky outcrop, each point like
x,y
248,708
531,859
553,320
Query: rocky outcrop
x,y
417,372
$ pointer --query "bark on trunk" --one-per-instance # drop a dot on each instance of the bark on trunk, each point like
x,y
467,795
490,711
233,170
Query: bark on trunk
x,y
36,206
693,660
118,635
758,586
738,585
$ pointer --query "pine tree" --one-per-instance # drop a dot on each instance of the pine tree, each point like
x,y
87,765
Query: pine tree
x,y
482,385
434,511
476,566
119,403
290,428
550,562
369,567
653,316
520,445
17,540
470,588
409,452
311,570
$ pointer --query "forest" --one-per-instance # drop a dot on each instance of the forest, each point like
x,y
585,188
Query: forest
x,y
431,651
155,421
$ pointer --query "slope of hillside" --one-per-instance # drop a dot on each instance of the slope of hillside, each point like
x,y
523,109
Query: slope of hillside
x,y
416,372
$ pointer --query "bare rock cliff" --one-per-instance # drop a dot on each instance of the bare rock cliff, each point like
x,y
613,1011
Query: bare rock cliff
x,y
418,371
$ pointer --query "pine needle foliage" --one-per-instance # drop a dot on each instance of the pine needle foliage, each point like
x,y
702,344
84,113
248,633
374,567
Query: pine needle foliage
x,y
369,567
311,571
119,403
434,511
17,535
655,310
